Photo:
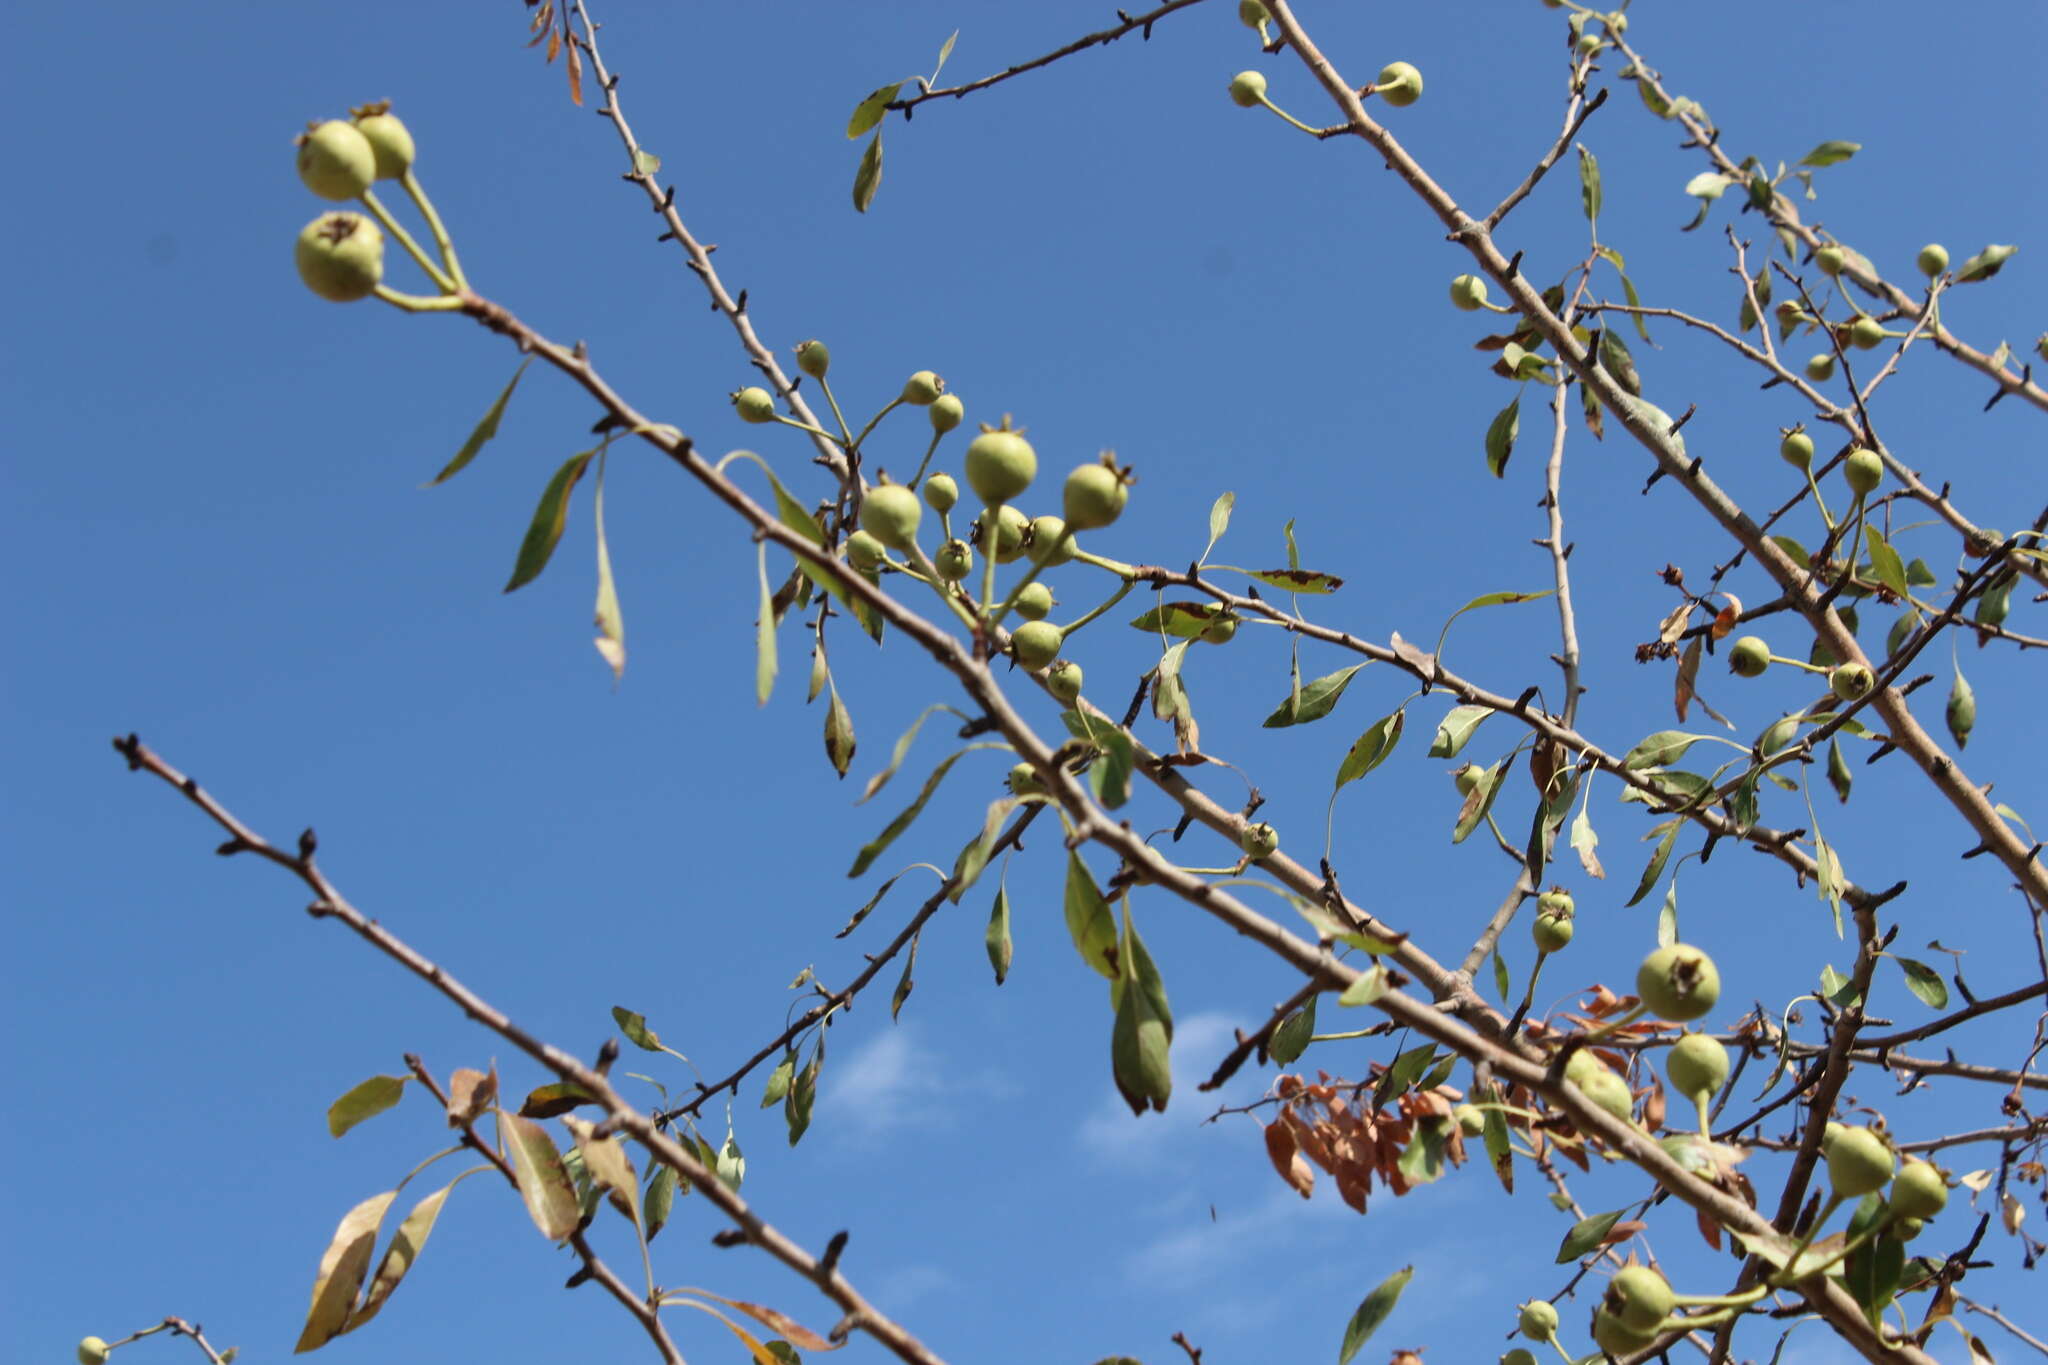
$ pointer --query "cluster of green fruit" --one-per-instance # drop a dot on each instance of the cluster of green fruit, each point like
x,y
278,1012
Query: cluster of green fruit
x,y
340,254
1863,332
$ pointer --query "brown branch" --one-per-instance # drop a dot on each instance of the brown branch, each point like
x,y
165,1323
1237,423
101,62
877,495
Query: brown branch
x,y
1130,24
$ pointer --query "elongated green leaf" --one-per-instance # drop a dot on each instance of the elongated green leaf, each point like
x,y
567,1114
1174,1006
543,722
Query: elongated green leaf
x,y
868,178
1142,1037
611,624
1371,748
364,1101
1500,438
1589,185
342,1267
1455,729
1219,519
1181,620
839,740
1616,360
764,636
1659,750
549,517
1585,841
1000,949
1669,829
1297,580
554,1098
1924,982
873,849
1089,921
1586,1234
1839,776
1291,1038
1884,560
1961,712
1984,264
1117,759
903,743
543,1182
803,1094
1502,982
634,1027
904,983
945,51
484,430
659,1199
1830,153
870,111
1370,986
779,1079
1372,1311
1317,699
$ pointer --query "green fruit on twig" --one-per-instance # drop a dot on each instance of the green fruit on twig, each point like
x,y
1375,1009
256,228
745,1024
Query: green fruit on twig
x,y
1863,470
1821,368
1251,13
1467,777
1617,23
754,405
1000,464
940,493
1518,1356
1011,525
1400,84
1259,841
1468,292
863,551
1797,450
1095,494
1588,43
1036,644
1610,1092
1919,1191
1247,88
1048,541
1617,1337
890,513
1859,1163
954,560
923,389
947,412
1221,630
93,1351
1640,1297
1866,333
1933,259
1023,781
1678,982
340,256
1537,1320
1850,681
1034,602
1697,1065
1063,680
1905,1229
1749,656
1829,260
1552,932
335,160
813,358
1471,1119
390,140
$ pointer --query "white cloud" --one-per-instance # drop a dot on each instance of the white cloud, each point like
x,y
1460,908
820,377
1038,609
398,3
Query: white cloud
x,y
895,1290
890,1080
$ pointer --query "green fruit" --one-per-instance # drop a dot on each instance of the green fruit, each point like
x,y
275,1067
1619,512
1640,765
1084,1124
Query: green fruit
x,y
1617,1337
1678,982
1034,602
1010,528
1399,84
1829,260
1538,1320
390,141
1222,628
1000,464
1556,901
1251,13
1259,841
1797,450
1863,470
1821,368
1697,1065
954,560
1467,777
1049,542
1247,88
1023,781
1518,1356
1095,495
1859,1163
923,389
1468,292
1617,24
1063,680
1933,259
947,412
1552,932
1919,1191
1866,333
1749,656
1640,1297
1850,681
336,160
813,359
754,405
940,493
1905,1229
1036,644
1609,1092
863,551
93,1351
1588,43
1471,1119
890,513
340,256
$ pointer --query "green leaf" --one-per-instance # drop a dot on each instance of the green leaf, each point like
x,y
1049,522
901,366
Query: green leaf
x,y
549,517
1296,580
868,178
1110,777
1371,1312
1000,948
903,743
1371,748
1839,776
904,984
870,111
1585,841
634,1026
1089,921
803,1093
1669,829
1707,185
1830,153
1616,360
839,740
1181,620
543,1182
1500,437
556,1097
779,1080
1502,981
764,636
1318,699
1219,519
1589,185
1370,986
1659,750
658,1200
1586,1234
364,1101
1884,560
342,1267
484,430
611,640
1924,982
945,51
1499,1150
873,848
1961,712
1478,802
1293,552
1142,1037
974,856
1455,729
1984,264
646,162
1830,878
1291,1039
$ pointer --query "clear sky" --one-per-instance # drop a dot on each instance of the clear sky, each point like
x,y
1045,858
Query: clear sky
x,y
216,537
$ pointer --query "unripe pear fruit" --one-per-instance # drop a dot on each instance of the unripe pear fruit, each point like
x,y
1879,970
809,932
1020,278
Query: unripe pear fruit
x,y
1010,528
1615,1336
940,493
1617,24
1640,1297
954,560
1095,495
1538,1320
1036,644
1829,260
1933,259
1400,84
1610,1092
1247,88
1697,1065
1863,470
1552,932
1581,1067
1221,630
1063,680
946,412
1797,450
923,389
813,358
389,139
1518,1356
1049,542
1556,901
890,513
1905,1229
1468,292
1471,1119
1588,43
340,256
93,1351
1859,1163
1919,1191
1034,602
336,161
1251,13
1821,368
1749,656
1467,777
1023,781
1866,333
1850,681
754,405
1000,464
1678,982
863,551
1259,841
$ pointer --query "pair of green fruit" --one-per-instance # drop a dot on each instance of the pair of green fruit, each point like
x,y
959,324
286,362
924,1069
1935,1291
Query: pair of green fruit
x,y
340,256
1400,85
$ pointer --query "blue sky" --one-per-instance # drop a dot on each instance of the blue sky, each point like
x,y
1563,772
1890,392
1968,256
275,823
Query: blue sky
x,y
217,538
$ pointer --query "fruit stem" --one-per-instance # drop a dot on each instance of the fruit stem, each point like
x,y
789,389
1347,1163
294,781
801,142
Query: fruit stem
x,y
1799,1248
874,421
845,434
929,451
1038,566
1113,599
417,303
989,516
1883,1221
930,574
1570,1359
1747,1296
392,226
1820,502
441,239
1312,132
1529,995
1115,566
806,427
1798,663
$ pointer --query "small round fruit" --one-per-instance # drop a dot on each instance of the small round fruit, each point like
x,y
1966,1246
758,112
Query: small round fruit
x,y
954,560
890,513
1000,465
1697,1065
1010,528
1797,450
1023,781
940,493
1640,1297
1036,644
1247,88
1467,777
1588,43
1678,982
1617,1337
390,140
1581,1066
1859,1163
1095,495
1221,630
1821,368
947,412
1905,1229
813,359
1259,841
1049,542
1919,1191
1538,1320
1609,1091
1863,471
1468,292
1933,259
336,161
1617,24
93,1351
1556,901
1251,13
863,551
923,389
1850,681
1866,333
1400,84
1829,260
1552,932
1034,602
1063,680
1471,1119
755,405
1518,1356
340,256
1749,656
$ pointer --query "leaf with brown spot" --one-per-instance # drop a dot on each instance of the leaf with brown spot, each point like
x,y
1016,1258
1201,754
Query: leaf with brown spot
x,y
470,1093
1297,580
556,1098
1728,617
